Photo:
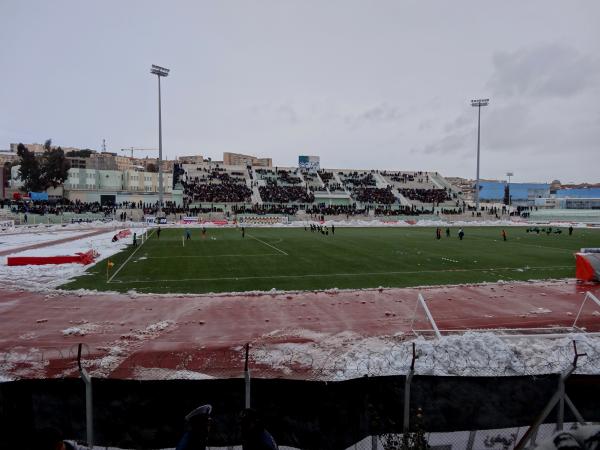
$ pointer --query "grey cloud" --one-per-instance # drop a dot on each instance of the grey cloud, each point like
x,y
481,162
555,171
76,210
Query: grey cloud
x,y
459,123
451,144
288,111
426,124
283,110
545,71
382,113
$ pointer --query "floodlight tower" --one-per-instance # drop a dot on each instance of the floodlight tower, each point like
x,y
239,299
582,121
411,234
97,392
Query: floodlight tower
x,y
509,174
478,104
159,72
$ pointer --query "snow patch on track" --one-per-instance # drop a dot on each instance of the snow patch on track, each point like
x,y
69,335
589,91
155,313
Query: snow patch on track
x,y
347,355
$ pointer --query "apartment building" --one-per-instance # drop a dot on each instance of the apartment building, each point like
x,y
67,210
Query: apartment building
x,y
237,159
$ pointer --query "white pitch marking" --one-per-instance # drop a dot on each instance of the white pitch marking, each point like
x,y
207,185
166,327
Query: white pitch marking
x,y
320,275
127,260
269,245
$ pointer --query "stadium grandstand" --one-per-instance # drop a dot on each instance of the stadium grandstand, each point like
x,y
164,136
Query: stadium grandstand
x,y
265,190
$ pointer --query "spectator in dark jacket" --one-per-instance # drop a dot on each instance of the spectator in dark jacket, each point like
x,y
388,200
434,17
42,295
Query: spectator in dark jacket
x,y
197,427
254,435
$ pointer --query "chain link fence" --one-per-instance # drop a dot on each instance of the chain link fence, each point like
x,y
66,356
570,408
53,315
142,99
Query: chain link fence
x,y
471,354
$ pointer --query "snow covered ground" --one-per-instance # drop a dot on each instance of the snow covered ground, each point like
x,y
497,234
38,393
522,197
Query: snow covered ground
x,y
47,277
347,355
321,355
11,241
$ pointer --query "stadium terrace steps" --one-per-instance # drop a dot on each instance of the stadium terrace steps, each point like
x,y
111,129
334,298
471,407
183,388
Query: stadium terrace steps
x,y
381,182
403,200
256,199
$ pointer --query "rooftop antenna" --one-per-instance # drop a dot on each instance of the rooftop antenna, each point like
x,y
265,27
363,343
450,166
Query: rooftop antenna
x,y
103,145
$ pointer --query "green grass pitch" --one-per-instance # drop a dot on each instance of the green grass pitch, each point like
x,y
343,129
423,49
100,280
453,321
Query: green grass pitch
x,y
294,259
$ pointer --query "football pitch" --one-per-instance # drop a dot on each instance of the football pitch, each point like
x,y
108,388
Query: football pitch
x,y
295,259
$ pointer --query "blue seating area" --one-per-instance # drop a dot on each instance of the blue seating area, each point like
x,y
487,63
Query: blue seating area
x,y
494,190
578,193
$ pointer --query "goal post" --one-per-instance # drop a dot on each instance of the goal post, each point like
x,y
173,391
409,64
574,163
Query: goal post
x,y
422,321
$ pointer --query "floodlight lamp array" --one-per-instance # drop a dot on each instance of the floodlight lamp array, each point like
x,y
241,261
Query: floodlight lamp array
x,y
480,102
160,71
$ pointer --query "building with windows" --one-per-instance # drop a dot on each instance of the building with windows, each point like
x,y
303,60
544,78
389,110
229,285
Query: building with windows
x,y
237,159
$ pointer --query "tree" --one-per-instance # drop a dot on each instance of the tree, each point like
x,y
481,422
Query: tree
x,y
55,167
30,171
151,167
40,173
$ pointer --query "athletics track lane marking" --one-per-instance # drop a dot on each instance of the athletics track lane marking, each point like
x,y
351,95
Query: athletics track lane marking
x,y
319,275
130,256
266,243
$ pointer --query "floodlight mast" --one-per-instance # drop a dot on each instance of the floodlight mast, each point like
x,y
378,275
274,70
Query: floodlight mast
x,y
509,174
478,104
159,72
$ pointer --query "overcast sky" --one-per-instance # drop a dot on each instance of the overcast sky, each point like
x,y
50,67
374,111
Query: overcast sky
x,y
362,84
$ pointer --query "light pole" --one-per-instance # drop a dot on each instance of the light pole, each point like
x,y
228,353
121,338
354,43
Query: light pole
x,y
159,72
478,104
509,174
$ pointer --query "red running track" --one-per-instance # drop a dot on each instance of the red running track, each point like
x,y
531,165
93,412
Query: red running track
x,y
39,333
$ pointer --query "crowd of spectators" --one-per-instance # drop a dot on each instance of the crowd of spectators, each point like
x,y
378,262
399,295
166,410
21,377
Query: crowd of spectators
x,y
57,207
406,177
402,211
335,210
381,196
355,180
273,193
257,209
285,176
217,186
435,196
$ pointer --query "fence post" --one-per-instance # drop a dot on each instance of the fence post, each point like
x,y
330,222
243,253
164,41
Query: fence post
x,y
558,398
89,418
407,383
247,378
373,442
471,441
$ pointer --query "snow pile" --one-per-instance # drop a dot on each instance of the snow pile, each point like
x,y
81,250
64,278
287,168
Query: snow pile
x,y
144,373
126,345
346,355
80,330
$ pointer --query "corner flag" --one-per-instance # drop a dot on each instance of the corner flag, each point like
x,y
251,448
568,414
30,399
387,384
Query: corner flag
x,y
109,265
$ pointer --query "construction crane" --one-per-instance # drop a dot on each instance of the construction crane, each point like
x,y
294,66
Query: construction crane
x,y
137,149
